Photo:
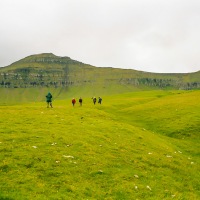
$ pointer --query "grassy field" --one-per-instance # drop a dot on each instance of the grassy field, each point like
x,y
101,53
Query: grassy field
x,y
140,145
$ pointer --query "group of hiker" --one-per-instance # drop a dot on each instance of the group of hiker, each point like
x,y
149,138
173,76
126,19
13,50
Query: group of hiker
x,y
81,101
49,100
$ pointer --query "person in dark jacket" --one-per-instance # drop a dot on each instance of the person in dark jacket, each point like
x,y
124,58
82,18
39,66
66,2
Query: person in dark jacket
x,y
49,100
100,100
80,101
94,100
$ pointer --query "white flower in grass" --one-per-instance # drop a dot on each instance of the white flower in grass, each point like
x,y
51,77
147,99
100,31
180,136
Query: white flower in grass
x,y
34,147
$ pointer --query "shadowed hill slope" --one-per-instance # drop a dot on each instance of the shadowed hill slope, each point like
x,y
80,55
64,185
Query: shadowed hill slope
x,y
48,70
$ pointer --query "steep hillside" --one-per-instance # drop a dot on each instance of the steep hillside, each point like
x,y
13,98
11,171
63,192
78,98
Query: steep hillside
x,y
48,70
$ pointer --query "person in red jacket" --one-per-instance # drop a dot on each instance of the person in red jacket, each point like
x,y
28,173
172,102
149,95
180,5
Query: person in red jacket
x,y
73,101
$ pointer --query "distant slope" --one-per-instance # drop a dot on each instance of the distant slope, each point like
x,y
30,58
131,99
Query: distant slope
x,y
48,70
163,112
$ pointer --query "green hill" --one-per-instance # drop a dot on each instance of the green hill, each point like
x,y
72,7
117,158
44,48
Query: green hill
x,y
48,70
138,145
141,143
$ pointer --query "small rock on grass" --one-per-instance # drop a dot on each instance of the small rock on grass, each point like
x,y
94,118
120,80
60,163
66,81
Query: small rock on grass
x,y
168,156
136,187
68,156
148,187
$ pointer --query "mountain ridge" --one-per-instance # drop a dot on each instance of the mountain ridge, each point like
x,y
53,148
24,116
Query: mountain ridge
x,y
49,70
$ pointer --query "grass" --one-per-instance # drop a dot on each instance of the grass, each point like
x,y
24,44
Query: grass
x,y
13,96
141,145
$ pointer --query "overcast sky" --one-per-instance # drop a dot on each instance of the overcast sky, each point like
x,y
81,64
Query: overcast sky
x,y
147,35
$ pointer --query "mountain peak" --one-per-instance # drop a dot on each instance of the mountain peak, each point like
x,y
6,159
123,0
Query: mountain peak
x,y
45,55
44,58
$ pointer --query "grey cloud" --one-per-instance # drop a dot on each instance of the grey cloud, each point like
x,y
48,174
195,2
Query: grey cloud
x,y
148,35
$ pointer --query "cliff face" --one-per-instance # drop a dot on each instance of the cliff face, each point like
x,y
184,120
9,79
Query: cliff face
x,y
48,70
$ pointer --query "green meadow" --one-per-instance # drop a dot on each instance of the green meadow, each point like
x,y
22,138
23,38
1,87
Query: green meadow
x,y
138,145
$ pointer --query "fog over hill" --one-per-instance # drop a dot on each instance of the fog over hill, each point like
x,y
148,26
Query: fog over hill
x,y
49,70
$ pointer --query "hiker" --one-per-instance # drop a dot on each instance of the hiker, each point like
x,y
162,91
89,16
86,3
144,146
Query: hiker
x,y
49,100
73,101
80,101
94,100
100,100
